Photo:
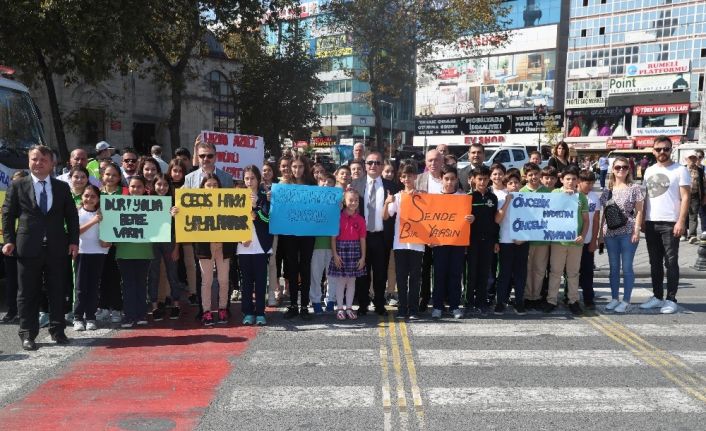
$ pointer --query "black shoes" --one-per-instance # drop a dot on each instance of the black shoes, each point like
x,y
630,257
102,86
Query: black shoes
x,y
499,309
304,313
362,311
29,344
590,305
381,310
158,314
10,318
174,313
291,312
575,309
548,307
60,338
520,309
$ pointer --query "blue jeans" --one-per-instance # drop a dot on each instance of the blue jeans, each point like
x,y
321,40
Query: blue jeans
x,y
163,252
620,248
603,175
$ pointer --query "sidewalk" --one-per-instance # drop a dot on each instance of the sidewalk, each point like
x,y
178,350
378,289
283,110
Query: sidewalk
x,y
641,264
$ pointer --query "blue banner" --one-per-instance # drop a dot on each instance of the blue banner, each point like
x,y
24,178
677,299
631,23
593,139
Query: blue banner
x,y
305,210
542,217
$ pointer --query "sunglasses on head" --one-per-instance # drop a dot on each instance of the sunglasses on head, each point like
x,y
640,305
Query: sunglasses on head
x,y
373,163
206,156
663,149
621,167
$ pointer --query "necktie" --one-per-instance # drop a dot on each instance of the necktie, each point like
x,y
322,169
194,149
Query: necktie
x,y
370,225
43,200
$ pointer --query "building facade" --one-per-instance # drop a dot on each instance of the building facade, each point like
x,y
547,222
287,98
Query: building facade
x,y
635,69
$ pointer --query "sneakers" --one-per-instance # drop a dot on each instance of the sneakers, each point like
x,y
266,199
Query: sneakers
x,y
260,321
193,300
622,307
142,321
291,312
330,306
458,313
158,314
207,318
612,304
436,313
520,309
669,307
91,325
351,314
401,315
341,315
304,313
548,307
652,303
590,305
79,325
318,309
693,240
222,316
248,320
103,314
116,316
174,313
127,323
499,309
413,316
575,308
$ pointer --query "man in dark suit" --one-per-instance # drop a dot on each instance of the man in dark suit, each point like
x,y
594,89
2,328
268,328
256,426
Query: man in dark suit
x,y
476,157
374,189
34,214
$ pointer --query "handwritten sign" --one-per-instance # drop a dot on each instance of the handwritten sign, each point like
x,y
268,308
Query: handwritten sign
x,y
435,219
542,217
213,215
235,152
305,210
136,219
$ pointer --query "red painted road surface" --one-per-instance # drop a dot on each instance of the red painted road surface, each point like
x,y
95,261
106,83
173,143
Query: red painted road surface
x,y
152,378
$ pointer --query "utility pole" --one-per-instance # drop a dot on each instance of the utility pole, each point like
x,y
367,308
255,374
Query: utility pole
x,y
702,125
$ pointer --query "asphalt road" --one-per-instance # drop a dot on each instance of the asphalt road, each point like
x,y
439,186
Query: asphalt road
x,y
636,371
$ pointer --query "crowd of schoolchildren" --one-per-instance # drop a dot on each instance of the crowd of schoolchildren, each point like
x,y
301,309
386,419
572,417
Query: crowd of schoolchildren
x,y
125,282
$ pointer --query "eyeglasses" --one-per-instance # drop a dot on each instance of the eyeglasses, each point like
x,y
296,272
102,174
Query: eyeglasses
x,y
206,156
663,149
621,167
373,163
129,160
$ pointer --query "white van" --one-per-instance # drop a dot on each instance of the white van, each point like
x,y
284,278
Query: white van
x,y
511,156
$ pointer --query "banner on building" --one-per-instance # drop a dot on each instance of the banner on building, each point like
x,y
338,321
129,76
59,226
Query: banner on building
x,y
213,215
135,218
435,219
542,217
532,123
234,152
671,109
305,210
585,102
649,83
658,68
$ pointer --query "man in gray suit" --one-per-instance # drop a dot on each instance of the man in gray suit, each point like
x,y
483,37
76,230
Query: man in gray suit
x,y
476,157
40,223
206,154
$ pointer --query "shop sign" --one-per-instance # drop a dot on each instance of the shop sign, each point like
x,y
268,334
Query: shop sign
x,y
484,139
623,144
649,83
321,141
657,68
675,108
613,111
487,125
333,46
648,141
585,102
438,126
657,131
532,123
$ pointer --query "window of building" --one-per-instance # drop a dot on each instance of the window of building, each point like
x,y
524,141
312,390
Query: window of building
x,y
583,32
92,123
585,3
223,102
603,1
601,30
703,52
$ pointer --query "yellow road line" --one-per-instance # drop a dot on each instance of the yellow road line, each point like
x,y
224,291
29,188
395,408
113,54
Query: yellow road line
x,y
386,402
657,358
412,370
397,365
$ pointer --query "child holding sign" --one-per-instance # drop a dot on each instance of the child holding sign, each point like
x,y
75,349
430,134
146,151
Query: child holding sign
x,y
408,256
513,254
348,250
89,262
253,254
448,259
110,297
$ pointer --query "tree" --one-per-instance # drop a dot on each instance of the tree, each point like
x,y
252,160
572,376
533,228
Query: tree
x,y
389,35
279,90
77,39
171,33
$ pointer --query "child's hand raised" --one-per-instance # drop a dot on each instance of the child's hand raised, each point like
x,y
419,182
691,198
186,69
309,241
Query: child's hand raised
x,y
174,211
390,198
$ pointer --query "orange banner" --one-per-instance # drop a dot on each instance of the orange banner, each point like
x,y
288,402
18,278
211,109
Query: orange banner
x,y
435,219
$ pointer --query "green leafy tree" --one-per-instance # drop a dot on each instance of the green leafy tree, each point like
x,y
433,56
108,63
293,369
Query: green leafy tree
x,y
279,88
76,40
389,35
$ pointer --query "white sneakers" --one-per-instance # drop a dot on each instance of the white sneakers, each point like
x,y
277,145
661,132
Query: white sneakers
x,y
612,304
103,314
79,326
669,307
91,325
436,313
652,303
458,314
116,316
622,307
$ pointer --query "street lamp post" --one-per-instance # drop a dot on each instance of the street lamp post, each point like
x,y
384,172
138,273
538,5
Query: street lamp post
x,y
540,109
331,117
392,107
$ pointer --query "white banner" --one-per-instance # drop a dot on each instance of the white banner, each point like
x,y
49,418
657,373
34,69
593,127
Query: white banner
x,y
657,68
656,131
640,84
585,102
234,152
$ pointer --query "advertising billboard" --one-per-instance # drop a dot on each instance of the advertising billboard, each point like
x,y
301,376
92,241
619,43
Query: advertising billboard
x,y
649,83
657,68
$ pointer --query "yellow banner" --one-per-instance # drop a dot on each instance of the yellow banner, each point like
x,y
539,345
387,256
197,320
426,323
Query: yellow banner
x,y
213,215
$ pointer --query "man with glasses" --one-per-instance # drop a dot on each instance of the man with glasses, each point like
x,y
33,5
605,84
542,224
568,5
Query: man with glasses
x,y
129,165
206,154
666,209
374,190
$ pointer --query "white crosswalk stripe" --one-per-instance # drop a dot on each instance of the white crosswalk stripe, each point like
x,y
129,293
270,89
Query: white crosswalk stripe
x,y
302,397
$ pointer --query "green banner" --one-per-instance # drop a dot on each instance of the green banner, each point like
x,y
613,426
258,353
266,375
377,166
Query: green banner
x,y
136,219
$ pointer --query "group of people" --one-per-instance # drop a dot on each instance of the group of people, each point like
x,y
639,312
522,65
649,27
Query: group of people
x,y
47,220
